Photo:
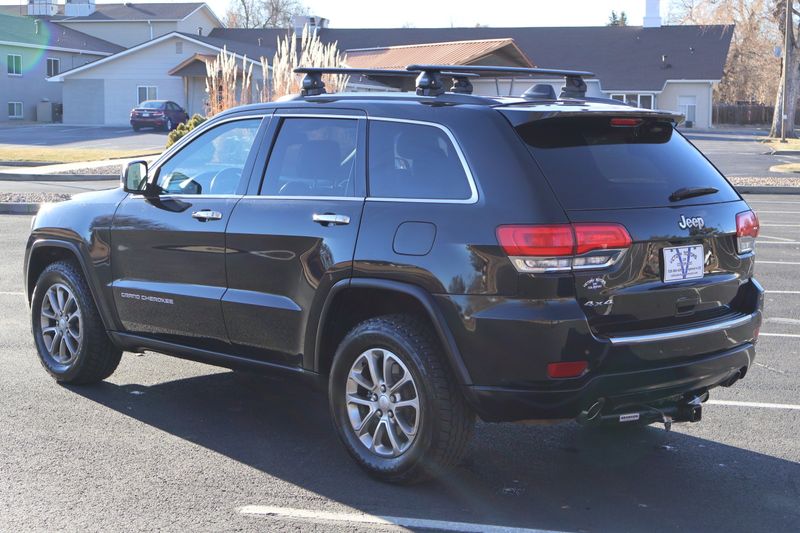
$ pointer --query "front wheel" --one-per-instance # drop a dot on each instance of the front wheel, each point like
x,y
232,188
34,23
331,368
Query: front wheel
x,y
395,404
71,340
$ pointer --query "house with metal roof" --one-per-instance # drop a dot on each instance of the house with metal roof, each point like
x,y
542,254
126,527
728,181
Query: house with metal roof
x,y
652,66
31,50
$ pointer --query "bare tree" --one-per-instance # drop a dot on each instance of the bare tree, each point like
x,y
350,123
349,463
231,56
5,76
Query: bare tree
x,y
263,13
791,55
751,70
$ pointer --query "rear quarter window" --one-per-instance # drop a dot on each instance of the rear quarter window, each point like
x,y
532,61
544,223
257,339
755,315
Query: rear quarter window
x,y
419,161
593,165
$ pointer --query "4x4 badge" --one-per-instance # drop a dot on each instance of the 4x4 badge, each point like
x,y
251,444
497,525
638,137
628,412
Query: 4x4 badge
x,y
693,222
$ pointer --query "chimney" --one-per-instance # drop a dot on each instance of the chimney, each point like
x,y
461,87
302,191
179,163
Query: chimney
x,y
314,23
652,14
79,8
46,8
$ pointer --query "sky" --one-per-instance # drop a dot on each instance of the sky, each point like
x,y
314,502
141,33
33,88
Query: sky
x,y
463,13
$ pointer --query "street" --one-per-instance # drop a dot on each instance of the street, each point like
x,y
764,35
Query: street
x,y
174,445
63,136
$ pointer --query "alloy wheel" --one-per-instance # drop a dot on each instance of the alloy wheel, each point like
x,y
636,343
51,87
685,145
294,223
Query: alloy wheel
x,y
382,403
61,324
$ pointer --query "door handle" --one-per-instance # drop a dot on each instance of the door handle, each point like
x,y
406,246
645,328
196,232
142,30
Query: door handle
x,y
206,214
330,219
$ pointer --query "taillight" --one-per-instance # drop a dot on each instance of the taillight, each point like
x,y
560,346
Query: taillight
x,y
559,247
747,227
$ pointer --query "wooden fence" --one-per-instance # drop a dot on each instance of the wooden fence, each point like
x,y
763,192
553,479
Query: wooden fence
x,y
746,114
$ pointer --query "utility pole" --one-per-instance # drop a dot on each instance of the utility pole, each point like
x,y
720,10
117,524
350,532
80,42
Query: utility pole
x,y
786,45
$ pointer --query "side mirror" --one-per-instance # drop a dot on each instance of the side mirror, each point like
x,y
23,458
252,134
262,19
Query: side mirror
x,y
134,176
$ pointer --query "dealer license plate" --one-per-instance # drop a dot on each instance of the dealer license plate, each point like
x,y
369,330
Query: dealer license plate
x,y
683,262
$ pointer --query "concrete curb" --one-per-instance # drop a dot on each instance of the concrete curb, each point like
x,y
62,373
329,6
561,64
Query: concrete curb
x,y
18,208
785,152
57,177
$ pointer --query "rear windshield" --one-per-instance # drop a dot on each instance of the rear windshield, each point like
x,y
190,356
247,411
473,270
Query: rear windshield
x,y
593,165
151,104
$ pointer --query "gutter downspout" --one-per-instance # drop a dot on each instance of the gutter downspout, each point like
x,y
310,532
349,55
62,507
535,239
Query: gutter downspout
x,y
150,25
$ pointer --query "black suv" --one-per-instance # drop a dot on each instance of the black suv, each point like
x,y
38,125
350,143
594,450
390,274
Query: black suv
x,y
427,257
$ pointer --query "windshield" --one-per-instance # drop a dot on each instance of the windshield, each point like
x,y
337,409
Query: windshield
x,y
592,163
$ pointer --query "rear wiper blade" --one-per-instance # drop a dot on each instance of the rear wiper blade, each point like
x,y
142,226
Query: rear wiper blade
x,y
691,192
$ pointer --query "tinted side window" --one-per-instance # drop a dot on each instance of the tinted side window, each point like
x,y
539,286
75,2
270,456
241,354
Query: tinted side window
x,y
414,161
212,163
313,157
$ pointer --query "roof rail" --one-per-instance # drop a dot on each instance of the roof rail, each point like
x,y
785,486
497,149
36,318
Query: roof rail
x,y
428,82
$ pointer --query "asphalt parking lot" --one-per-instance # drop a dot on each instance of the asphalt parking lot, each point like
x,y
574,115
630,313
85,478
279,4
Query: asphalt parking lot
x,y
63,136
173,445
739,153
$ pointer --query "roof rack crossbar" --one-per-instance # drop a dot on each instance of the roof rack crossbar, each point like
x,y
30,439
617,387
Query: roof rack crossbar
x,y
574,86
314,86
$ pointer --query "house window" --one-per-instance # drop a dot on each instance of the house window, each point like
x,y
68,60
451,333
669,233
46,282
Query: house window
x,y
147,92
53,66
14,65
645,101
15,110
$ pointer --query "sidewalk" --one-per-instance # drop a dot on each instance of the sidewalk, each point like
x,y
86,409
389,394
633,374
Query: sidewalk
x,y
104,170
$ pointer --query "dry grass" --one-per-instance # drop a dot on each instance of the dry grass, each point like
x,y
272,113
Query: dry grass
x,y
227,85
790,168
776,144
312,53
43,154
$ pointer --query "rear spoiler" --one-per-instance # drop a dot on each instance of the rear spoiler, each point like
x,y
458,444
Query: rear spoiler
x,y
521,115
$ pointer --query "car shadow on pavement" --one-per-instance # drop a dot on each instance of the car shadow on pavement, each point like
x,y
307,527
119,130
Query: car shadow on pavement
x,y
562,477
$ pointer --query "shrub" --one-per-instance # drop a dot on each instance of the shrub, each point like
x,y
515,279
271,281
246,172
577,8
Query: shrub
x,y
184,128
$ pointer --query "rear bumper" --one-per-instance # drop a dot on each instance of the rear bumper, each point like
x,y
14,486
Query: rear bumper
x,y
617,389
506,345
148,122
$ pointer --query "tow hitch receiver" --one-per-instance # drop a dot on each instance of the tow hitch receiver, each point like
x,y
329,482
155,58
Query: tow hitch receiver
x,y
685,410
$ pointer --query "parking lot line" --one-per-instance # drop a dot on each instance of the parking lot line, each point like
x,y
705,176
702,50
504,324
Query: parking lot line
x,y
761,405
772,202
783,292
760,262
784,239
780,225
778,212
771,242
787,335
12,293
363,518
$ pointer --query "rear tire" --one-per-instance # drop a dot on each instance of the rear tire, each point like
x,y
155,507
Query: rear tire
x,y
414,443
136,128
70,338
168,125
